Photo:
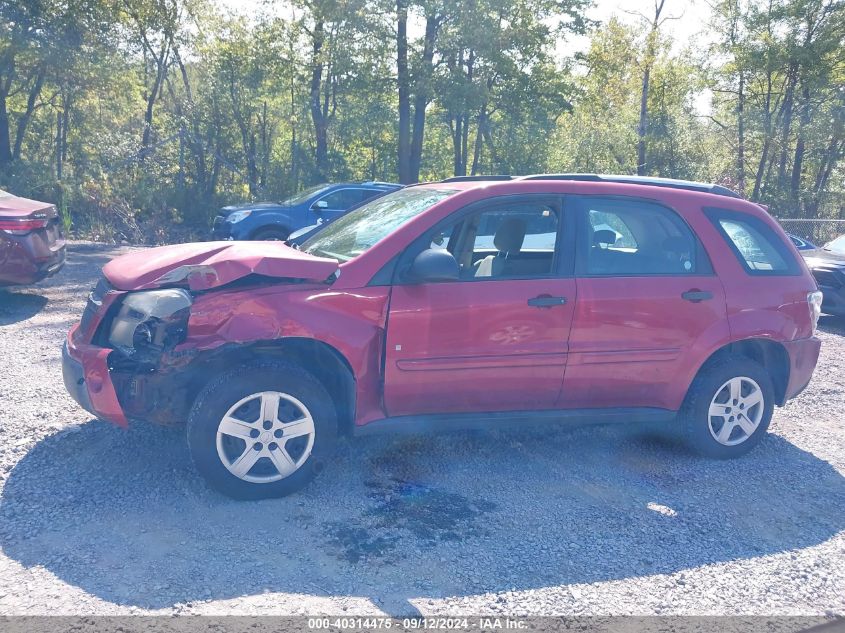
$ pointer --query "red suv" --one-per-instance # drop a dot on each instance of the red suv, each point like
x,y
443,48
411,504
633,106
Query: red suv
x,y
459,303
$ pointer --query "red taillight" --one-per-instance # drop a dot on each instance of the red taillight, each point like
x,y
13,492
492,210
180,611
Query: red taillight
x,y
22,226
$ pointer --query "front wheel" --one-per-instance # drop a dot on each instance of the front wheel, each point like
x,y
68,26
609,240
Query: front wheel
x,y
271,235
262,430
728,408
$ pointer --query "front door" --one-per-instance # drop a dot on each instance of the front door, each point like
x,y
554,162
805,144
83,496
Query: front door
x,y
338,202
497,339
649,307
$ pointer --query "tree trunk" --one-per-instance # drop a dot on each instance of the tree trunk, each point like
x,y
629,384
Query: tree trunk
x,y
740,148
321,151
5,138
650,52
767,139
642,128
23,122
152,97
422,92
786,126
403,80
479,137
798,159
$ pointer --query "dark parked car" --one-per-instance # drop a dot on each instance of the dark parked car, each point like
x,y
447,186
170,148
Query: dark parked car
x,y
801,244
31,242
828,267
276,221
457,304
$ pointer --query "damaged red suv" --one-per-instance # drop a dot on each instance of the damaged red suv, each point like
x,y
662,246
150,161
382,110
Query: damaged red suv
x,y
31,242
462,303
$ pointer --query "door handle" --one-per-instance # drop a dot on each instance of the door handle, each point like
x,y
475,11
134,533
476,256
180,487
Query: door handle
x,y
696,296
546,301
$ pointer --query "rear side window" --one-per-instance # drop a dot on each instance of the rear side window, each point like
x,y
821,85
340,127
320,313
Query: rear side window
x,y
756,245
630,237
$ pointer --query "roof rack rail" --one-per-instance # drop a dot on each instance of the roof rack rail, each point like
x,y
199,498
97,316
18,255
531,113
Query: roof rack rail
x,y
477,178
378,182
670,183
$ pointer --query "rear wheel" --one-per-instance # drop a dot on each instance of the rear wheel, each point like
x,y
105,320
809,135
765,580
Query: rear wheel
x,y
728,408
271,234
262,430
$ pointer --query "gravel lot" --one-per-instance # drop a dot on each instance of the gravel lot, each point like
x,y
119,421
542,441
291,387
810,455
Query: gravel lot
x,y
94,519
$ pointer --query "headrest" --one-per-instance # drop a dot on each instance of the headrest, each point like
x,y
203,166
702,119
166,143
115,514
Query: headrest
x,y
604,236
510,235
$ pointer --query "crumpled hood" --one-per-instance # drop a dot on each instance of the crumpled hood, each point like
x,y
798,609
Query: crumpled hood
x,y
205,265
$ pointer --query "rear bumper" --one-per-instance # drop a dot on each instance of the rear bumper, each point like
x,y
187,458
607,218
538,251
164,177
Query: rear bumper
x,y
803,356
86,376
29,259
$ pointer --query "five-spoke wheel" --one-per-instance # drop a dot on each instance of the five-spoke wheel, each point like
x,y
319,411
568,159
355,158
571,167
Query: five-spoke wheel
x,y
262,430
728,407
736,411
265,436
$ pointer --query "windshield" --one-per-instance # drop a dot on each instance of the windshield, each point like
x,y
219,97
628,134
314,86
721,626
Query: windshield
x,y
302,196
358,230
837,245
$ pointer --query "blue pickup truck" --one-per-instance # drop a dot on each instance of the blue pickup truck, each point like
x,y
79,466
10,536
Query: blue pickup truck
x,y
277,220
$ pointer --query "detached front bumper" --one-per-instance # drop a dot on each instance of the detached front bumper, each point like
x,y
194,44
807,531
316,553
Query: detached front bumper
x,y
803,356
86,376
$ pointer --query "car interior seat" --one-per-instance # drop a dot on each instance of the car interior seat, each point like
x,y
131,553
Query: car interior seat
x,y
508,240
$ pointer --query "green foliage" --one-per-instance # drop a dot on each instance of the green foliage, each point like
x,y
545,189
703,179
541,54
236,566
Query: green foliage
x,y
140,118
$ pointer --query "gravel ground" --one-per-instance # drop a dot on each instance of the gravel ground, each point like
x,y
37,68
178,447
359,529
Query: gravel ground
x,y
94,519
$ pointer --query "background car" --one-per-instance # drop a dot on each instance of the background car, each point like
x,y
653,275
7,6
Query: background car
x,y
801,244
276,221
31,243
828,267
300,236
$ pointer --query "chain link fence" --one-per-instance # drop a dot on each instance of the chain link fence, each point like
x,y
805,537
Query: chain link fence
x,y
817,231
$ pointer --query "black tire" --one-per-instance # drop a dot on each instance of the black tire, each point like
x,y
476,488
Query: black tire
x,y
695,414
230,387
276,234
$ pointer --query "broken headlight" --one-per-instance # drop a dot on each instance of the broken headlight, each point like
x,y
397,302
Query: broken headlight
x,y
152,320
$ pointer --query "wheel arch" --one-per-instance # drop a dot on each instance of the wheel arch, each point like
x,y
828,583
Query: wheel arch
x,y
771,355
278,223
322,360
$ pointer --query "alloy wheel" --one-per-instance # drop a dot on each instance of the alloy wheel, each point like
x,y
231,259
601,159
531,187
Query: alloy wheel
x,y
265,437
736,411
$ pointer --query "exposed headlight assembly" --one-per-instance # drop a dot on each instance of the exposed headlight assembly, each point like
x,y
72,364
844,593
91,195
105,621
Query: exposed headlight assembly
x,y
237,216
151,320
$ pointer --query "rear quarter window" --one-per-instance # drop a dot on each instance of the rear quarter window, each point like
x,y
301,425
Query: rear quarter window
x,y
759,249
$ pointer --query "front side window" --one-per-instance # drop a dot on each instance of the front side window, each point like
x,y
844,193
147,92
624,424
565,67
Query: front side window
x,y
361,228
302,196
513,240
756,245
627,237
342,199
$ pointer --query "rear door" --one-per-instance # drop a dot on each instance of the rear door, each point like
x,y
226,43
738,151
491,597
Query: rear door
x,y
649,307
497,339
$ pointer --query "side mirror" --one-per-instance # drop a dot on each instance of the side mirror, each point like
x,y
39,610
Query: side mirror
x,y
320,204
434,264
